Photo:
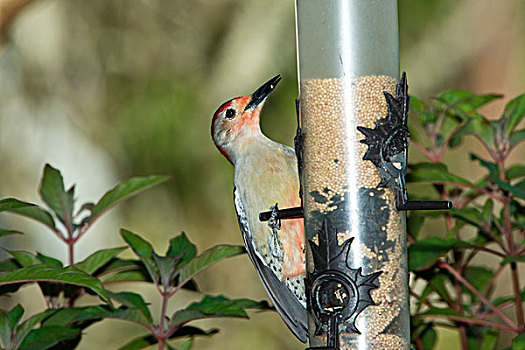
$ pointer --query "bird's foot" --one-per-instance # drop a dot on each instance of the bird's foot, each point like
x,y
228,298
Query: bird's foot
x,y
274,224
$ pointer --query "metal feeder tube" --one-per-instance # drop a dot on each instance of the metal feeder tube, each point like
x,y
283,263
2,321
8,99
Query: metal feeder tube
x,y
357,279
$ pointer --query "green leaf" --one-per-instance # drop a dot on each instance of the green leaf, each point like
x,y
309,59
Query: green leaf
x,y
514,113
252,304
482,220
127,276
179,245
54,194
417,106
29,210
49,260
517,137
143,250
8,265
491,167
185,331
425,252
465,101
478,276
148,340
437,284
25,258
479,127
46,337
166,266
186,345
5,329
482,338
510,259
428,166
518,343
140,343
487,213
98,259
82,317
209,306
12,203
206,259
14,316
70,275
133,300
9,232
126,314
122,264
515,171
414,223
518,190
25,328
441,311
428,338
436,176
76,317
123,191
140,246
8,324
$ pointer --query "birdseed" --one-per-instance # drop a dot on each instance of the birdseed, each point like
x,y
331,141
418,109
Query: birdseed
x,y
338,182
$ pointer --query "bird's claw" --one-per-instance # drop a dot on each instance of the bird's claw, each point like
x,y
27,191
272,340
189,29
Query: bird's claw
x,y
273,222
275,244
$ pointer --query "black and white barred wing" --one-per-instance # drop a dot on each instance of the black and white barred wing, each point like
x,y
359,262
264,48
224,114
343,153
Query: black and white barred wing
x,y
290,309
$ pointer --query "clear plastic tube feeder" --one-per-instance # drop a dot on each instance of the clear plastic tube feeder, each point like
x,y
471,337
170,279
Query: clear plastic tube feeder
x,y
357,279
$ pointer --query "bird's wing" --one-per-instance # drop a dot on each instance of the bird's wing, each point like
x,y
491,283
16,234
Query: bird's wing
x,y
292,312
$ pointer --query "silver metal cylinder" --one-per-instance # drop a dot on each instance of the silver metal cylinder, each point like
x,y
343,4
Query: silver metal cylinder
x,y
347,56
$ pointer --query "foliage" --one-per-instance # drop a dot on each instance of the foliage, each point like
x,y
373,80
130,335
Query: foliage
x,y
61,324
488,219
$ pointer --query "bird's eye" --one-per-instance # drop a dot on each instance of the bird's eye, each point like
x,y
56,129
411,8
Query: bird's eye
x,y
230,113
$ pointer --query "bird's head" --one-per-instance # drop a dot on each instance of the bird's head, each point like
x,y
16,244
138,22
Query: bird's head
x,y
235,124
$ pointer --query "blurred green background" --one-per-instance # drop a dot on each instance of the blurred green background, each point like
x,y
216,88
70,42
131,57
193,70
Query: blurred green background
x,y
108,89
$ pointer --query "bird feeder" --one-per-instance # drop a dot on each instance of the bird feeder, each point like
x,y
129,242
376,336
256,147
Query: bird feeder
x,y
353,152
351,144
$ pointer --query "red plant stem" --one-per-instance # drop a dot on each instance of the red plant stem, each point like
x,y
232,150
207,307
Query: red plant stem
x,y
469,286
418,297
71,249
477,249
510,243
473,187
463,337
459,310
425,152
493,154
501,307
476,188
450,223
447,140
59,234
419,344
81,231
161,336
517,294
493,279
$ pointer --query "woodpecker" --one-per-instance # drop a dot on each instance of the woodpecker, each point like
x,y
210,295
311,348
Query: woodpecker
x,y
265,177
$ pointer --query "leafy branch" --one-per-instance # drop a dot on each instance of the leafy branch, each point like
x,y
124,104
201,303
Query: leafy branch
x,y
493,205
61,324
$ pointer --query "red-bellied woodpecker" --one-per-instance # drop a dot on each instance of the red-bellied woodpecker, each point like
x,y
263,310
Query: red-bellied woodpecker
x,y
265,174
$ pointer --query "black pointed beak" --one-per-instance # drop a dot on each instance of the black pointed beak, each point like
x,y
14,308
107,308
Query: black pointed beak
x,y
261,93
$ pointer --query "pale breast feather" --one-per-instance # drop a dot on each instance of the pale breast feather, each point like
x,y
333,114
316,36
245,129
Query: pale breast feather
x,y
289,307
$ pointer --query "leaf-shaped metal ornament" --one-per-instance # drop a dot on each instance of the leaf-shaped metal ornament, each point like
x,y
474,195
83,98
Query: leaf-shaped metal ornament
x,y
336,292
